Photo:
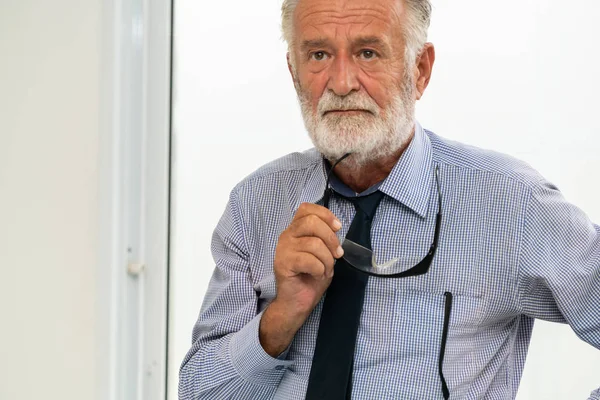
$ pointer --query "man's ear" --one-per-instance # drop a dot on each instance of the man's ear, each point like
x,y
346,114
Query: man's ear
x,y
291,69
289,63
424,68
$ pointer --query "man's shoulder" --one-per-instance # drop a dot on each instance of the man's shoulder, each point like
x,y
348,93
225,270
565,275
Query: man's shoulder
x,y
290,170
298,162
473,159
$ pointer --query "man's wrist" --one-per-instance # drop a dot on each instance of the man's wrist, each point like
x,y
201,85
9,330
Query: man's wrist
x,y
278,327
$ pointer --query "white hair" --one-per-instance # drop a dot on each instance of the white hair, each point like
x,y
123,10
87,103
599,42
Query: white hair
x,y
415,31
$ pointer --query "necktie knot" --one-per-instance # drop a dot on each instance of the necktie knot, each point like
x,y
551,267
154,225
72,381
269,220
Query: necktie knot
x,y
367,204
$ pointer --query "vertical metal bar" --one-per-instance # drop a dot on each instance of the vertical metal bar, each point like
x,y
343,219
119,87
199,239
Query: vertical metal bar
x,y
134,162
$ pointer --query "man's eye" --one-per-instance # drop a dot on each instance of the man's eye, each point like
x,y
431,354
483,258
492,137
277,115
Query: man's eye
x,y
368,54
318,56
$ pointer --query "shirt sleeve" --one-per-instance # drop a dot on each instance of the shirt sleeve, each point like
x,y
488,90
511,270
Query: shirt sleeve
x,y
595,395
226,360
559,264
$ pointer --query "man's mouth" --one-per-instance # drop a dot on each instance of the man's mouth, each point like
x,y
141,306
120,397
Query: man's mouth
x,y
352,111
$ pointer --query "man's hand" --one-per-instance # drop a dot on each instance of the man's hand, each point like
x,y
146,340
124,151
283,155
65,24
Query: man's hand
x,y
304,259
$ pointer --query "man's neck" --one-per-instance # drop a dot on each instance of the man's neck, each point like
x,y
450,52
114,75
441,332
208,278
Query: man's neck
x,y
360,178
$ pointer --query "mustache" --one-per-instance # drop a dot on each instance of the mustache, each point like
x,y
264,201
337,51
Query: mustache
x,y
355,102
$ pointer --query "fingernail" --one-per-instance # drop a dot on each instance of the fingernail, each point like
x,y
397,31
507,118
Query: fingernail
x,y
337,224
340,251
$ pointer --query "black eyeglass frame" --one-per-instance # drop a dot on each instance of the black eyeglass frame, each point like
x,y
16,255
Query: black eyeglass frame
x,y
423,266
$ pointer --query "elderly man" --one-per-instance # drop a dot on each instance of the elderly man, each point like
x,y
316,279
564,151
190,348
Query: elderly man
x,y
388,262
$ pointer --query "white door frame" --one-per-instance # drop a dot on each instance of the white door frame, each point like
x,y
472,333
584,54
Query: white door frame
x,y
134,196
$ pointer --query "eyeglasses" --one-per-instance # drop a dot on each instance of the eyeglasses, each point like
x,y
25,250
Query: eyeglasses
x,y
364,259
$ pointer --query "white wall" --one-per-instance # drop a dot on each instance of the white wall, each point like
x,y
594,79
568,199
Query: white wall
x,y
517,76
49,111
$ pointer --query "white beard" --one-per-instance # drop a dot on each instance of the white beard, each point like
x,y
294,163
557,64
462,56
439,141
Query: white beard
x,y
368,136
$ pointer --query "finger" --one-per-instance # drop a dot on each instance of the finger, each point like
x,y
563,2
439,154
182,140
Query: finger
x,y
311,225
307,263
316,247
326,215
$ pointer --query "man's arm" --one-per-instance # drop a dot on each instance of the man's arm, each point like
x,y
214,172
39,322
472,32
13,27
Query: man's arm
x,y
226,359
559,265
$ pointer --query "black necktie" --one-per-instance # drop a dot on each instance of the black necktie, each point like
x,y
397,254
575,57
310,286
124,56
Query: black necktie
x,y
331,372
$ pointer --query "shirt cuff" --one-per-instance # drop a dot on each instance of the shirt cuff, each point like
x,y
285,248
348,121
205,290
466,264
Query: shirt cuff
x,y
250,359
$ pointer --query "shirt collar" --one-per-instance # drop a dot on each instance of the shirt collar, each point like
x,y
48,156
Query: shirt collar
x,y
411,178
409,182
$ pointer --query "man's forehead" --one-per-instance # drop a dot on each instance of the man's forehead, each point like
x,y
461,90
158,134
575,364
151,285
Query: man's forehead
x,y
349,5
311,16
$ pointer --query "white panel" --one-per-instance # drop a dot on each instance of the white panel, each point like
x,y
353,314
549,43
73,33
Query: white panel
x,y
517,76
134,198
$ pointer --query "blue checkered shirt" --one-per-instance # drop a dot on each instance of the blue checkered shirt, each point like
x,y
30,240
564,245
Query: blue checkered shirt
x,y
511,249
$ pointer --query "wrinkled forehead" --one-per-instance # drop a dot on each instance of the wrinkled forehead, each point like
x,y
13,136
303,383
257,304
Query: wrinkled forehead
x,y
343,19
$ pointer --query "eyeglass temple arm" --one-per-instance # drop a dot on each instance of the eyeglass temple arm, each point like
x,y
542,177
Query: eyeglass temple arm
x,y
438,218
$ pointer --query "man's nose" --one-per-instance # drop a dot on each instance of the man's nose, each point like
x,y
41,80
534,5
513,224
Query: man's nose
x,y
343,77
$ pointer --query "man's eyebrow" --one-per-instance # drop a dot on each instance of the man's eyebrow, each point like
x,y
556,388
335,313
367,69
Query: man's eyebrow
x,y
369,41
358,42
314,43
